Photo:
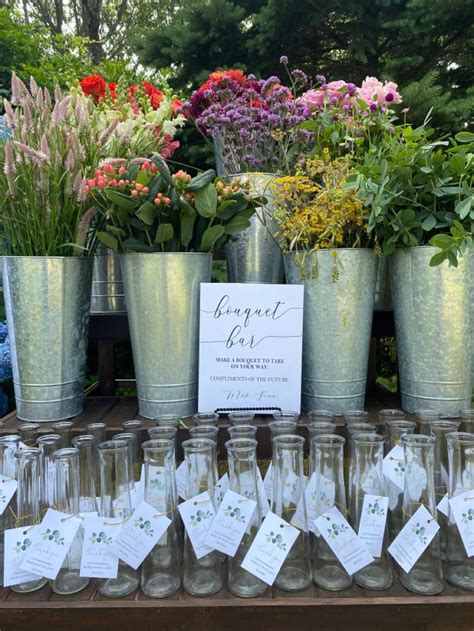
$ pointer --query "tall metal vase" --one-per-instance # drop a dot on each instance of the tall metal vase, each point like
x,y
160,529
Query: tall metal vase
x,y
162,294
47,300
254,256
433,331
107,286
339,288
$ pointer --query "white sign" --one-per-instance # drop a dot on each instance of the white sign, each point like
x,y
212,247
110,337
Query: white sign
x,y
250,347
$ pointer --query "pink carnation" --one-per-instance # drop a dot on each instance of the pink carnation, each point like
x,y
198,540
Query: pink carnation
x,y
374,90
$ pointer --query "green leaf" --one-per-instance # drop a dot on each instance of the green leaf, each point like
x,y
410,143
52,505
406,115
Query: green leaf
x,y
452,258
237,224
135,245
116,231
200,181
164,233
206,201
188,217
463,207
210,236
162,167
464,136
147,213
442,241
429,223
437,259
108,240
121,200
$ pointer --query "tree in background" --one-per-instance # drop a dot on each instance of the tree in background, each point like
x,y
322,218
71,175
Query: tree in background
x,y
428,50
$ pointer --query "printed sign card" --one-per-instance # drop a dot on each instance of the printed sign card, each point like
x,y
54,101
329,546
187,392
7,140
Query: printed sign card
x,y
250,346
17,543
98,560
197,515
462,507
230,523
414,538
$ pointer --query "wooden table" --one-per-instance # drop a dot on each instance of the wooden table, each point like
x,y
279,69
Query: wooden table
x,y
354,609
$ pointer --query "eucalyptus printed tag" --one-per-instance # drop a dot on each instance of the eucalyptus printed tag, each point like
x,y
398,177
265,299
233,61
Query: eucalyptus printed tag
x,y
394,466
221,489
372,523
270,548
17,543
197,515
98,560
8,487
50,544
181,480
413,539
349,549
462,507
230,523
139,534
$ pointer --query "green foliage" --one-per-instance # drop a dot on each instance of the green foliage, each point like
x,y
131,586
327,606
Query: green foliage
x,y
18,47
418,191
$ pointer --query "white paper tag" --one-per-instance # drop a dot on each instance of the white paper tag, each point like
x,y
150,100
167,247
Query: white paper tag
x,y
394,466
197,515
51,543
350,550
221,489
181,480
320,497
8,487
268,482
443,505
372,523
139,535
270,548
413,539
230,523
17,543
98,560
462,507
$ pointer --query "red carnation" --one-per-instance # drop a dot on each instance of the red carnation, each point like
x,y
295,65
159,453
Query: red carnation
x,y
235,75
93,85
112,88
155,95
176,105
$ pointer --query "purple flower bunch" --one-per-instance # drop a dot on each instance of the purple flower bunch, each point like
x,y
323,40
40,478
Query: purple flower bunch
x,y
256,122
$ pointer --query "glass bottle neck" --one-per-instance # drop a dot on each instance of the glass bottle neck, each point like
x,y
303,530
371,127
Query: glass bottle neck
x,y
242,463
8,449
114,480
27,475
67,480
201,465
159,464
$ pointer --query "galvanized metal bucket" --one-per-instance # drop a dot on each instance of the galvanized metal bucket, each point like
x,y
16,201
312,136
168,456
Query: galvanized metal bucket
x,y
433,331
47,301
108,295
471,271
339,289
162,294
254,256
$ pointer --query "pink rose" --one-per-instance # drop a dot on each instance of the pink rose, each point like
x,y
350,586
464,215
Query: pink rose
x,y
374,90
312,99
335,89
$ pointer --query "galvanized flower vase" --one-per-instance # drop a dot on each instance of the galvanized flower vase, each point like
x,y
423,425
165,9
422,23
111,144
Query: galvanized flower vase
x,y
339,289
47,301
162,295
433,331
107,286
254,256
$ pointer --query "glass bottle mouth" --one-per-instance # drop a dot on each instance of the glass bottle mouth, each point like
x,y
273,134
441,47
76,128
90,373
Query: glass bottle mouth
x,y
321,426
167,432
368,439
94,426
10,439
355,428
68,453
463,438
167,420
418,440
445,424
402,424
392,414
322,414
203,429
128,437
29,427
62,425
328,440
84,438
468,413
241,444
135,424
158,444
113,445
427,415
48,439
288,440
30,453
197,445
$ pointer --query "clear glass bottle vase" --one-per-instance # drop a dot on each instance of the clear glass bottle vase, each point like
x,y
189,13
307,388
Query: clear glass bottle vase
x,y
426,575
204,576
47,444
66,461
242,460
86,446
328,459
9,445
459,567
367,474
288,496
394,431
99,432
115,502
28,462
161,570
63,429
440,429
